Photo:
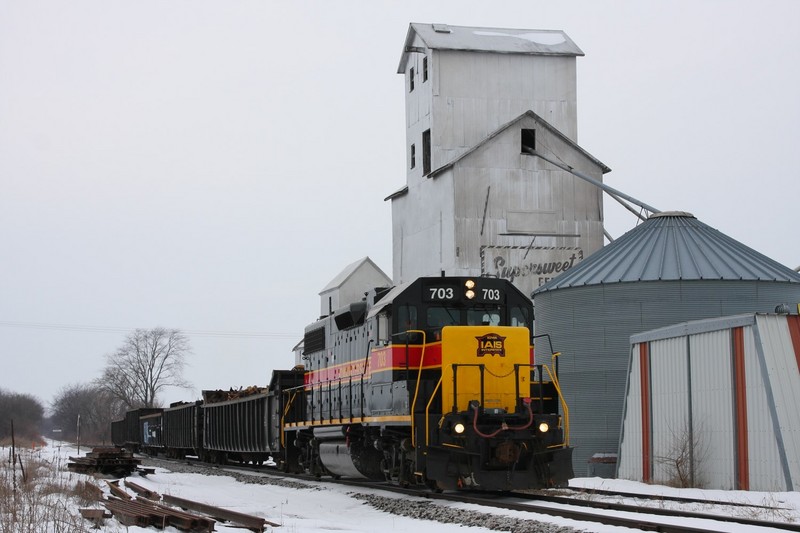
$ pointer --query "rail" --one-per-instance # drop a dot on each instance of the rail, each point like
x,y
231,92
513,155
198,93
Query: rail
x,y
332,388
330,385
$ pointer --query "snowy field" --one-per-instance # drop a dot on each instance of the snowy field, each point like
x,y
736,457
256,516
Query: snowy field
x,y
300,507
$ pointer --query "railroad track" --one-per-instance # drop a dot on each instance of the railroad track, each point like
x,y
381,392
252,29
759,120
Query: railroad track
x,y
592,493
553,503
635,516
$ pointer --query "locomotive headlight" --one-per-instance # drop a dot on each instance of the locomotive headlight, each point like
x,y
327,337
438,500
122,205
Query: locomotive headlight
x,y
459,428
544,427
469,284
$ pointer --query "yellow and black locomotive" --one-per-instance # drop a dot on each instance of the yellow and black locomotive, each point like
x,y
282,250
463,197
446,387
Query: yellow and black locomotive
x,y
431,382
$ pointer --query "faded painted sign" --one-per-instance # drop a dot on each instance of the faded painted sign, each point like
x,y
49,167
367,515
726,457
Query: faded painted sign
x,y
528,266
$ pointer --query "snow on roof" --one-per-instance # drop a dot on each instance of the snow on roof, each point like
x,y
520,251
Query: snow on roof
x,y
497,40
348,271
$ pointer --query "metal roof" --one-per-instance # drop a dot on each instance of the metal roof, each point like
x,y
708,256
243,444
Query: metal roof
x,y
498,40
673,246
540,121
348,271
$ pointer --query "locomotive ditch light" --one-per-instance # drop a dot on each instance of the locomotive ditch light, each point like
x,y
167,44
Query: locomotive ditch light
x,y
544,427
459,428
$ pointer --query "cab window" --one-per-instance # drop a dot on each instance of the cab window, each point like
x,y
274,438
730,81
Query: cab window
x,y
483,317
438,317
407,318
519,317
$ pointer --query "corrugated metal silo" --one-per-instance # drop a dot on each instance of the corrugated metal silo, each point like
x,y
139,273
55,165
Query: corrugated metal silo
x,y
670,269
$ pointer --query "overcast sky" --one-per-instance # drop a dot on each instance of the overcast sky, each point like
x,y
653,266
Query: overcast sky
x,y
210,166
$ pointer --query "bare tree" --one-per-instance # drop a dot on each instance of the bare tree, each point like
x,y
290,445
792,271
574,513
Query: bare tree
x,y
149,361
96,407
685,459
25,411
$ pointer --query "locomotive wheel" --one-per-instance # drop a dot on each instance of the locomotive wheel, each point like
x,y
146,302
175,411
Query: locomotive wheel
x,y
432,484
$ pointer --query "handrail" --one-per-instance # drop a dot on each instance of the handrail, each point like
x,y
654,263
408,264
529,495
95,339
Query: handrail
x,y
553,379
557,385
427,412
283,416
419,378
366,359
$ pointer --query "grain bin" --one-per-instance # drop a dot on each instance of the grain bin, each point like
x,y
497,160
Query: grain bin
x,y
670,269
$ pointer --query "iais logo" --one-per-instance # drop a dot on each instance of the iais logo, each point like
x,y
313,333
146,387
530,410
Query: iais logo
x,y
491,344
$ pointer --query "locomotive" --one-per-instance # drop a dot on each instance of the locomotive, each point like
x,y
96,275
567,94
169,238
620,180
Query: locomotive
x,y
430,383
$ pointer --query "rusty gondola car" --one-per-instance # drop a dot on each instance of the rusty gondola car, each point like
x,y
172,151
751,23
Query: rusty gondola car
x,y
184,436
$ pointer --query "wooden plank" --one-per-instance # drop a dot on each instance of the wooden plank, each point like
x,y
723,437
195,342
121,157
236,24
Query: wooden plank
x,y
147,513
253,523
141,491
118,491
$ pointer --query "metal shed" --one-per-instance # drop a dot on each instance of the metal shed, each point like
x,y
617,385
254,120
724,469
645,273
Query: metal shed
x,y
671,269
713,404
350,285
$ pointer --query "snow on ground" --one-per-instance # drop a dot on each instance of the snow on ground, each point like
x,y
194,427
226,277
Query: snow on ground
x,y
307,508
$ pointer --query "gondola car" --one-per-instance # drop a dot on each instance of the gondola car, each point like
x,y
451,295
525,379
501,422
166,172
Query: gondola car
x,y
127,432
150,432
248,428
183,429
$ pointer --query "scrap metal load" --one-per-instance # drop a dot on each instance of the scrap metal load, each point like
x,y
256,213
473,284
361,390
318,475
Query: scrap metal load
x,y
215,396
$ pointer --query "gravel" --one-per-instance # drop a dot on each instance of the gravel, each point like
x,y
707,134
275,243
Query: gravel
x,y
420,510
444,515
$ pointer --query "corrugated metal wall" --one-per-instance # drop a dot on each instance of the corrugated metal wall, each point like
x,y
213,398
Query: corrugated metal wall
x,y
765,465
781,363
631,443
733,385
670,404
711,420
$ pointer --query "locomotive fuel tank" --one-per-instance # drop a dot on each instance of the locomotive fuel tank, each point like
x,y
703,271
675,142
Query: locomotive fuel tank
x,y
343,456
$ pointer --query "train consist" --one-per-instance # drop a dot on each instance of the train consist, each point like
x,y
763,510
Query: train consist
x,y
432,382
